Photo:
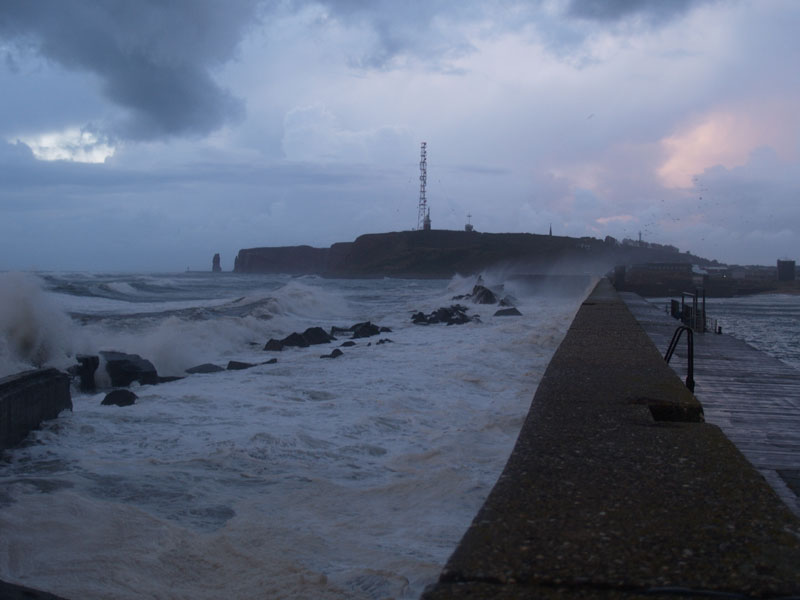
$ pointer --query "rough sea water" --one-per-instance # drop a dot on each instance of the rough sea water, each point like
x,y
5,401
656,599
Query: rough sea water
x,y
308,478
768,322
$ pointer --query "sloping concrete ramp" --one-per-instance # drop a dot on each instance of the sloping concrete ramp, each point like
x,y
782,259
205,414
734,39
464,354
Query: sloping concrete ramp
x,y
617,489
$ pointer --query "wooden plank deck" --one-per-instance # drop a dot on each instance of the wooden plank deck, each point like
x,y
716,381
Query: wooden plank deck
x,y
753,397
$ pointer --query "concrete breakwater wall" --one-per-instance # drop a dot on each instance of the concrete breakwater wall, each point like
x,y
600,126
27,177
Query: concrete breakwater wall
x,y
27,399
617,488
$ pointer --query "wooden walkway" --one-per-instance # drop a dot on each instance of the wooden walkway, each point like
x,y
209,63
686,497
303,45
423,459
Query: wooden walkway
x,y
752,397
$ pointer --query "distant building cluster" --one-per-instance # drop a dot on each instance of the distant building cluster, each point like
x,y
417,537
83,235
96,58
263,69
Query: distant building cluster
x,y
787,270
658,279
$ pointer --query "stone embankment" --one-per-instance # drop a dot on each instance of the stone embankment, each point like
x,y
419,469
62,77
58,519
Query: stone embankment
x,y
27,399
616,488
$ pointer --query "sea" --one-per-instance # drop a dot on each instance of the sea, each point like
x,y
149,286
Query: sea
x,y
767,322
352,477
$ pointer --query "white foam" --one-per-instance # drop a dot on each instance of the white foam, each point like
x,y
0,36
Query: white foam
x,y
309,478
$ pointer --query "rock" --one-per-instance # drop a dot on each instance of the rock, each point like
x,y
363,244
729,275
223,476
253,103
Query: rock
x,y
452,315
274,345
215,266
271,361
295,340
341,331
85,369
507,301
124,369
419,318
310,337
483,295
384,341
235,365
363,330
508,312
385,330
119,398
317,335
205,368
347,344
334,354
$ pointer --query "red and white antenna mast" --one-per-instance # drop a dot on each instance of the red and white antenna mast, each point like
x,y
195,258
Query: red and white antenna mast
x,y
423,212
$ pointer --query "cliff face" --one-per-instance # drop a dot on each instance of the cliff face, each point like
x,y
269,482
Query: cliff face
x,y
442,253
301,260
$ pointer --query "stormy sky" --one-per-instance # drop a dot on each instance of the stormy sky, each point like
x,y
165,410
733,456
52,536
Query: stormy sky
x,y
150,135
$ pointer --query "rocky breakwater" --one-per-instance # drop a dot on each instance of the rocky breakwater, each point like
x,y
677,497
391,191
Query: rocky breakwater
x,y
27,399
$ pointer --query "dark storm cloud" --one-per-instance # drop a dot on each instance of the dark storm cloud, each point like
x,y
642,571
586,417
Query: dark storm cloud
x,y
152,58
654,12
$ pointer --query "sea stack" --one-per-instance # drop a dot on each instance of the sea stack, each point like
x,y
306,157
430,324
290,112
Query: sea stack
x,y
215,268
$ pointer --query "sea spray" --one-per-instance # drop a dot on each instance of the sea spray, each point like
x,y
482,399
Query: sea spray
x,y
34,331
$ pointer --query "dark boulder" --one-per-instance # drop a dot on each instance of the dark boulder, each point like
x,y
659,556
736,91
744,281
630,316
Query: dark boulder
x,y
419,318
295,340
451,315
508,312
215,266
119,398
124,369
507,301
458,319
347,344
310,337
336,353
87,365
205,368
274,345
363,330
384,341
271,361
385,330
235,365
483,295
317,335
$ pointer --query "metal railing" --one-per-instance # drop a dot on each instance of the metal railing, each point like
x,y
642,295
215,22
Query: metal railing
x,y
676,337
695,315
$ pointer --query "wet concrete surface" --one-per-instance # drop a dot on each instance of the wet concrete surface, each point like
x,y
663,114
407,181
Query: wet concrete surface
x,y
753,397
601,500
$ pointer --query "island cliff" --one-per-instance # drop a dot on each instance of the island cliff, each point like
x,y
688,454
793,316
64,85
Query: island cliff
x,y
443,253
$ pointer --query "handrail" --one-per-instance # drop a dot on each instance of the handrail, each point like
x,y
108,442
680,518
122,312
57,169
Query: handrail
x,y
697,323
676,337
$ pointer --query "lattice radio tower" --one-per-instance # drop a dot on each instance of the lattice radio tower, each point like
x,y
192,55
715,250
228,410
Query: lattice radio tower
x,y
423,213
